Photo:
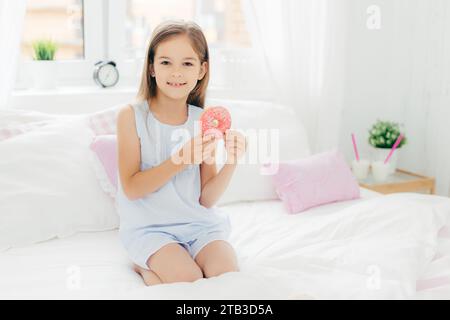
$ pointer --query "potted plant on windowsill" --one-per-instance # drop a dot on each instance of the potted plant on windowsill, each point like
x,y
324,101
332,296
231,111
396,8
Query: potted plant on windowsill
x,y
44,66
382,137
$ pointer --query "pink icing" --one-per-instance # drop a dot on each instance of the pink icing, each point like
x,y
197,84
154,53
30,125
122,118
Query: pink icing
x,y
215,120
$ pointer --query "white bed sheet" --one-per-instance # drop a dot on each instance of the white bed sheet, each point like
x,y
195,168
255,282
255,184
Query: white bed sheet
x,y
274,265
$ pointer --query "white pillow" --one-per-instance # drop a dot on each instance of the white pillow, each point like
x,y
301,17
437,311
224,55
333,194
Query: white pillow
x,y
20,117
48,187
14,122
248,184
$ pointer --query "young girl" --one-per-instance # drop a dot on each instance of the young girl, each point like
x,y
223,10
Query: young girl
x,y
168,222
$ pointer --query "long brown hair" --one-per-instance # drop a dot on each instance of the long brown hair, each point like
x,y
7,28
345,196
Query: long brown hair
x,y
165,30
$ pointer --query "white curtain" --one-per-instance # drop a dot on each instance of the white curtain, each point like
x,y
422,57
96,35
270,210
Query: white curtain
x,y
428,109
303,44
12,13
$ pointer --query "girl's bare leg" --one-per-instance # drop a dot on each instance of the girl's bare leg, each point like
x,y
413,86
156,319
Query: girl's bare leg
x,y
172,263
150,278
216,258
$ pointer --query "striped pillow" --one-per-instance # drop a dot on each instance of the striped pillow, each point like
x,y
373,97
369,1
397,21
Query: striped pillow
x,y
104,122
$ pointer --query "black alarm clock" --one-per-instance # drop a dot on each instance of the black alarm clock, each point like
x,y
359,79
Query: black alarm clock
x,y
106,74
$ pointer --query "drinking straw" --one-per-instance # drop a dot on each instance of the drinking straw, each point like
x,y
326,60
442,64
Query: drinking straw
x,y
397,142
355,148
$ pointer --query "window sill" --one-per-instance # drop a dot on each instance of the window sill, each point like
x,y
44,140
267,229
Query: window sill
x,y
72,90
73,99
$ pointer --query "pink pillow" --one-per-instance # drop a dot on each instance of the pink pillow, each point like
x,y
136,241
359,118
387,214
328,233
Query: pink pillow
x,y
313,181
105,162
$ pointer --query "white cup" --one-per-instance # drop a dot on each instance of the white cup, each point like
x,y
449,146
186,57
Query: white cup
x,y
360,168
380,171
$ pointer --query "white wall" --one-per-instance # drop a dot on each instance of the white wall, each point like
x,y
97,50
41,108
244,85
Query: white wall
x,y
400,72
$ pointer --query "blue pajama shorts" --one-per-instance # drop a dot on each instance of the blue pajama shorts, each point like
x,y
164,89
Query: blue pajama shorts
x,y
150,241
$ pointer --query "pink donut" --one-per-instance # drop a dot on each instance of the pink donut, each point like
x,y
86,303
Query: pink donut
x,y
215,120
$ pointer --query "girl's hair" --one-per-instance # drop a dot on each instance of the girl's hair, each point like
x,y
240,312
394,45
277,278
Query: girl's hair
x,y
164,31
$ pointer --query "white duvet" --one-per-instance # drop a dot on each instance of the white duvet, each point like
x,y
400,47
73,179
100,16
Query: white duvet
x,y
369,248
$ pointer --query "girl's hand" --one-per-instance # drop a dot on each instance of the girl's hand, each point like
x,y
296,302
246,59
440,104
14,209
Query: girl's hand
x,y
236,146
209,146
196,150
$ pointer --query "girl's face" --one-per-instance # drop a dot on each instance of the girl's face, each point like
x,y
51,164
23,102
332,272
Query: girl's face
x,y
177,67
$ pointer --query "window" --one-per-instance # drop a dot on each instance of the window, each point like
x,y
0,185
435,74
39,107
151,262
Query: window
x,y
119,30
57,20
143,16
221,20
223,23
76,26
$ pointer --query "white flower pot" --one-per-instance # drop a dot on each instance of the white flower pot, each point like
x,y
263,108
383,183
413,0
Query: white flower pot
x,y
45,74
380,154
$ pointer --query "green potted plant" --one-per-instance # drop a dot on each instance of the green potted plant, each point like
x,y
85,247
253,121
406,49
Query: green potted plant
x,y
44,64
382,137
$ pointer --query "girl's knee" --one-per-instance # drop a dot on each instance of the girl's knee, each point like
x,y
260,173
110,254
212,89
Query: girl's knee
x,y
185,275
195,275
188,276
215,270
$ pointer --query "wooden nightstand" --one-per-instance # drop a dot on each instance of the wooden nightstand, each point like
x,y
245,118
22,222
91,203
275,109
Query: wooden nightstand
x,y
400,181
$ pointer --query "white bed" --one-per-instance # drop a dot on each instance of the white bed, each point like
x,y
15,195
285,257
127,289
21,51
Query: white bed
x,y
376,247
281,257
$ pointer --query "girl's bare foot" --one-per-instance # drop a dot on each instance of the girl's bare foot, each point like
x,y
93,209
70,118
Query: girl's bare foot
x,y
150,278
